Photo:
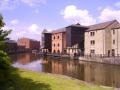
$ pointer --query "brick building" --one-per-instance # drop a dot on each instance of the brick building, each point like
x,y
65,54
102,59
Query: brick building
x,y
59,40
68,37
29,44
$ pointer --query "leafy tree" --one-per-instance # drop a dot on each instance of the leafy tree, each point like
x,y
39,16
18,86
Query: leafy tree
x,y
5,65
3,33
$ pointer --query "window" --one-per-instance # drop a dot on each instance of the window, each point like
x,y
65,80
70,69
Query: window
x,y
58,44
92,33
58,51
113,31
54,45
113,52
92,42
58,37
54,37
113,41
92,51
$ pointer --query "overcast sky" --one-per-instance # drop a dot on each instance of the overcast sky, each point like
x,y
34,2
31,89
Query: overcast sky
x,y
27,18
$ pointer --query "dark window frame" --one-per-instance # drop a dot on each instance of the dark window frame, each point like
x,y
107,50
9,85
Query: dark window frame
x,y
92,33
113,31
114,41
92,42
92,51
58,37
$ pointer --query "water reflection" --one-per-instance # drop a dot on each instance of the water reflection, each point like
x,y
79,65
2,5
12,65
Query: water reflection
x,y
101,74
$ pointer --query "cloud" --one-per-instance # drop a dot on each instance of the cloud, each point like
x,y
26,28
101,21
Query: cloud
x,y
14,22
72,14
32,31
12,4
33,2
117,4
34,28
109,13
8,4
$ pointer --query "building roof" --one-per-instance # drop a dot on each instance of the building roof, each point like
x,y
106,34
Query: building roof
x,y
100,25
64,29
77,25
24,38
117,26
45,31
59,30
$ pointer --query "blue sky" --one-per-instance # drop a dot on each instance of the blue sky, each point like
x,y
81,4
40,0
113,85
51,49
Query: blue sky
x,y
27,18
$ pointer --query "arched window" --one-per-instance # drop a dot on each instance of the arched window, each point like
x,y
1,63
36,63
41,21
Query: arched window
x,y
58,44
58,51
54,51
54,37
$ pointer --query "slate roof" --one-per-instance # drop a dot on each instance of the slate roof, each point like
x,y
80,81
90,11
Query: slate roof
x,y
91,27
117,26
101,25
77,25
59,30
64,29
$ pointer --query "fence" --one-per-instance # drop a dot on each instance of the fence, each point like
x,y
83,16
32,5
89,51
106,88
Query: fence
x,y
101,59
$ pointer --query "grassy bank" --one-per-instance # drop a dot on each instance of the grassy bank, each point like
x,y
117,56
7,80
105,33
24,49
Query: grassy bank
x,y
30,80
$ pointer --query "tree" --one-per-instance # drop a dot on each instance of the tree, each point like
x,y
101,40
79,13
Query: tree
x,y
5,65
3,33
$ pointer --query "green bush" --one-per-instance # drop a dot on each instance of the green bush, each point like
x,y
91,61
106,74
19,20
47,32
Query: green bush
x,y
5,68
5,65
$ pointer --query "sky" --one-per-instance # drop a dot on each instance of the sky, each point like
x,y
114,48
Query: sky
x,y
28,18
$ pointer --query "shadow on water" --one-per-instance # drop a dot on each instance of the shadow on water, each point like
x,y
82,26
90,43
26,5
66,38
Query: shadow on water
x,y
16,82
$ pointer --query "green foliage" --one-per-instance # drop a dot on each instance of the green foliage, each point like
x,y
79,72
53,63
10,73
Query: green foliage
x,y
1,22
5,65
3,33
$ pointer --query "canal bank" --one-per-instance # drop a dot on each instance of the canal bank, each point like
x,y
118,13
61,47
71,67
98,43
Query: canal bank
x,y
99,59
44,81
90,72
106,60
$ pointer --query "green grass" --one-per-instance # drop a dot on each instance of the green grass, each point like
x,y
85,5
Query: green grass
x,y
29,80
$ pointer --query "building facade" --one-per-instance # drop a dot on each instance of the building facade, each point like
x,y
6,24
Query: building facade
x,y
46,41
75,39
29,44
66,38
59,41
115,32
102,39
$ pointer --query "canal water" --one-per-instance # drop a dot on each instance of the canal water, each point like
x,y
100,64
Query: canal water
x,y
96,73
